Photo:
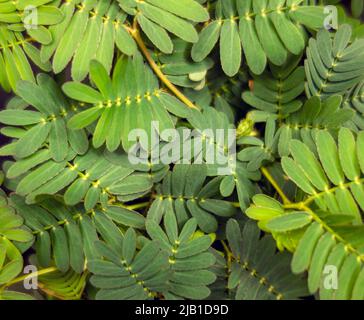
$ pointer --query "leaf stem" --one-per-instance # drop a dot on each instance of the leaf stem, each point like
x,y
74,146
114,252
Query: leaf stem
x,y
136,35
16,43
275,185
348,246
229,255
26,276
236,204
137,206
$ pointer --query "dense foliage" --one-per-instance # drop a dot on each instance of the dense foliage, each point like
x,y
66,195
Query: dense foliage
x,y
281,219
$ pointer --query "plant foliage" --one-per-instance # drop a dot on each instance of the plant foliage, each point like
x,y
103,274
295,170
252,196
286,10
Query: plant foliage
x,y
182,149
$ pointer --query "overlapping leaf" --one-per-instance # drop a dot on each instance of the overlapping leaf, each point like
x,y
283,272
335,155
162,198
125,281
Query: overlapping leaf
x,y
334,178
127,272
42,117
304,125
277,92
214,142
326,245
354,100
147,216
186,193
92,29
327,223
267,30
63,286
180,69
91,179
188,257
65,236
175,16
16,50
286,232
256,268
129,101
11,233
333,65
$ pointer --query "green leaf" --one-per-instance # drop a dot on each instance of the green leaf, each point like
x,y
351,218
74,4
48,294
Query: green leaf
x,y
20,117
253,50
288,222
309,164
70,41
170,22
207,40
81,92
32,140
328,153
188,9
156,34
18,235
319,257
230,48
303,254
347,154
85,118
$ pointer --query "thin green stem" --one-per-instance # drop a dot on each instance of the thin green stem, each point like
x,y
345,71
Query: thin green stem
x,y
16,43
136,35
27,276
332,190
303,207
137,206
229,254
275,185
236,204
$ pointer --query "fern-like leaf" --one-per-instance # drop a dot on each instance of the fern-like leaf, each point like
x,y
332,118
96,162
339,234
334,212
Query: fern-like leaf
x,y
256,268
333,65
267,30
